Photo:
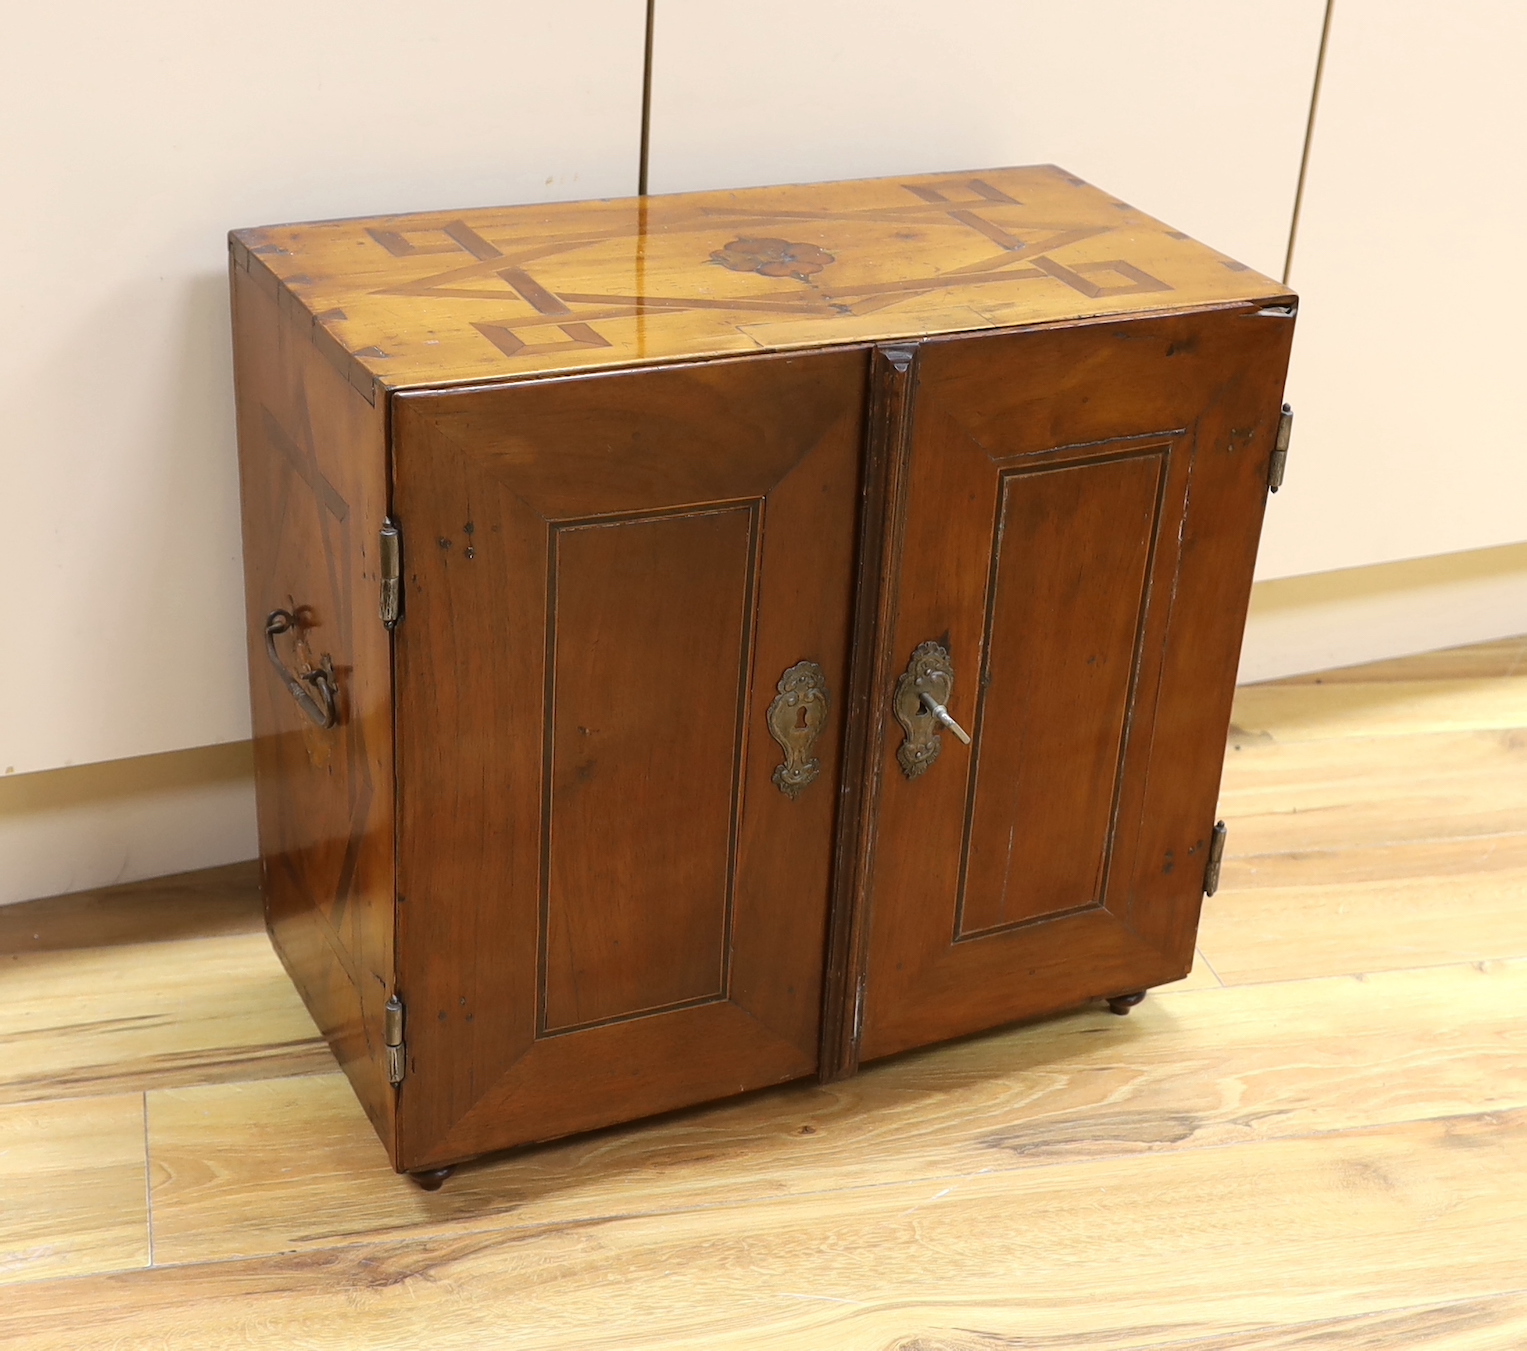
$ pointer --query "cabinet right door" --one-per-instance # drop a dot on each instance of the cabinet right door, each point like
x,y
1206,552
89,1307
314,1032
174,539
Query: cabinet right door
x,y
1069,564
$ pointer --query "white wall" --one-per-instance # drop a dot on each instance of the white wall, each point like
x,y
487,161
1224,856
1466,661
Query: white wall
x,y
133,137
1192,110
1409,374
1353,615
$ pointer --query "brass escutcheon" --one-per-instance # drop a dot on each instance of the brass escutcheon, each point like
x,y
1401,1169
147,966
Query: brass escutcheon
x,y
796,719
920,705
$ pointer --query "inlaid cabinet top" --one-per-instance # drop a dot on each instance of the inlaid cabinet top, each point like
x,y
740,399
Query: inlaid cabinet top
x,y
445,297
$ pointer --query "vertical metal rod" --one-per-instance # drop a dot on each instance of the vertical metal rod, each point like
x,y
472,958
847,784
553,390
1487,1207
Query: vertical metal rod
x,y
1309,135
641,172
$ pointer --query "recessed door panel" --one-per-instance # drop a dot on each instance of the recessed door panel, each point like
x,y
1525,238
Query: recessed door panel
x,y
1072,549
609,904
641,816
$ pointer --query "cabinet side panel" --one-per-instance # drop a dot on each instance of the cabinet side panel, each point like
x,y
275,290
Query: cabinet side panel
x,y
313,488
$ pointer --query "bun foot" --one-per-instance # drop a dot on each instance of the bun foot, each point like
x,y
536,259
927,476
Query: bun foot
x,y
1122,1003
429,1179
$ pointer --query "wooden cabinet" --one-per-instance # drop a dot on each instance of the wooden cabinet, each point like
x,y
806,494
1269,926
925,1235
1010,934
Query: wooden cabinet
x,y
625,578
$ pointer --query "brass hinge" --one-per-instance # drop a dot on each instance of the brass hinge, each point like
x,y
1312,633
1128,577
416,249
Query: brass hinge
x,y
859,1010
1279,461
391,608
395,1053
1216,857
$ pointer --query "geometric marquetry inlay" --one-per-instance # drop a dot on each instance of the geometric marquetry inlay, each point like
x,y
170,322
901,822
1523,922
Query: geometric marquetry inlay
x,y
491,294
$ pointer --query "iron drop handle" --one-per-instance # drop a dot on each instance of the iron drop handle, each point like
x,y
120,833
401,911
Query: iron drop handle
x,y
322,710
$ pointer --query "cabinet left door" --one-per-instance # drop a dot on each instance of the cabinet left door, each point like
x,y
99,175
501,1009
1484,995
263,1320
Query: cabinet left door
x,y
619,672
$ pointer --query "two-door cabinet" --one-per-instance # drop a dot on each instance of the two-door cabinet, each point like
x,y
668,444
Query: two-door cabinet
x,y
699,642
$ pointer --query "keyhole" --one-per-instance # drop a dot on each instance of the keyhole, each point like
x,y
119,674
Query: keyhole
x,y
800,717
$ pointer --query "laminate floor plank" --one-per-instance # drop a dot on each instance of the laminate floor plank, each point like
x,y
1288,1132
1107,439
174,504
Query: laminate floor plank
x,y
73,1193
1318,1140
280,1165
1363,791
1404,906
1134,1251
1496,1323
133,1016
1378,708
1438,859
1201,977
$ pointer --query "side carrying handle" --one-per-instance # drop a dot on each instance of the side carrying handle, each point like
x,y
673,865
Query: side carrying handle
x,y
323,710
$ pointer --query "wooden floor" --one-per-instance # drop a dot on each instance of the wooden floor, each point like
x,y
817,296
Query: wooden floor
x,y
1318,1140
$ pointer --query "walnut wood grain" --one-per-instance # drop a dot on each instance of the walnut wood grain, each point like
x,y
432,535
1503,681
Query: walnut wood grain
x,y
619,535
608,907
1167,416
893,382
1065,606
314,490
651,632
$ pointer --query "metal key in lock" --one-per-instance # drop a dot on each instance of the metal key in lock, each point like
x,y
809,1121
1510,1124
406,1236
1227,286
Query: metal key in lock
x,y
921,707
943,715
